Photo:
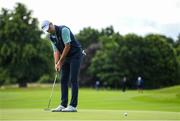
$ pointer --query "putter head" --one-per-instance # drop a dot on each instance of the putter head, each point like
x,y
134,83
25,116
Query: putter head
x,y
47,109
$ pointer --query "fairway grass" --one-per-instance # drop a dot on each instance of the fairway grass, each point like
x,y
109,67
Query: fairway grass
x,y
108,105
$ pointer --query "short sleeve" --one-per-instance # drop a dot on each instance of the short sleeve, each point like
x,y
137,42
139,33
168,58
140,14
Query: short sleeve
x,y
66,35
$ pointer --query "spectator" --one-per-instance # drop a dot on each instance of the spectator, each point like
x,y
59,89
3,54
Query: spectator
x,y
124,82
140,84
97,84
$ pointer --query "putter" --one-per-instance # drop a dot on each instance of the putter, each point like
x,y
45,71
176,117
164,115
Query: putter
x,y
48,109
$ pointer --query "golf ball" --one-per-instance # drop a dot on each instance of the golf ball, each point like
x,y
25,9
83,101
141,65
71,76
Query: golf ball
x,y
125,114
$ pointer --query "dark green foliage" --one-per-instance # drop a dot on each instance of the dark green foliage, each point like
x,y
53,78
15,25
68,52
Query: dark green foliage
x,y
23,54
152,57
88,36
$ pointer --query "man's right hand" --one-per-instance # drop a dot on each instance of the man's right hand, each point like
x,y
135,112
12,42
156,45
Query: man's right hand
x,y
57,68
58,65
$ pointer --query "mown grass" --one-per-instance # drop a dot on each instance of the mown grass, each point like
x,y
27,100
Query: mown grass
x,y
28,104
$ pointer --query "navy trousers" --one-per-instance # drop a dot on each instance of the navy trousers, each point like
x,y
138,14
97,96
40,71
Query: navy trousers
x,y
69,72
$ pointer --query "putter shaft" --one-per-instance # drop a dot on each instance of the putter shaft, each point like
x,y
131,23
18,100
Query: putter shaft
x,y
52,91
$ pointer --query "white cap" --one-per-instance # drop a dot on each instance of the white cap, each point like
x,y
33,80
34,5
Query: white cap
x,y
45,25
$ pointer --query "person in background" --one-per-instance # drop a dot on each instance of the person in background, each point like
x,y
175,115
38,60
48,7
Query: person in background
x,y
124,83
140,83
97,84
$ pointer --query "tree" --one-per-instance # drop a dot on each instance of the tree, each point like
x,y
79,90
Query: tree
x,y
21,46
88,36
89,39
86,78
108,31
104,64
177,47
151,57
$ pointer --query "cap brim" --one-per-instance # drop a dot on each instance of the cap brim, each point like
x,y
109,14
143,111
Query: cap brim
x,y
45,29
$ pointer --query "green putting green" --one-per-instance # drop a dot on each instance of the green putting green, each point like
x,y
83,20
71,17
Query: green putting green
x,y
87,114
28,104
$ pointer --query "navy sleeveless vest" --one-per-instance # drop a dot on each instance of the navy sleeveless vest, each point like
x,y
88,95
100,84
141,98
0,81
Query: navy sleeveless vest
x,y
58,42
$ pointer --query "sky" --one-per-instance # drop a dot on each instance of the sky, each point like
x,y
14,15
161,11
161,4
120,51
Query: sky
x,y
126,16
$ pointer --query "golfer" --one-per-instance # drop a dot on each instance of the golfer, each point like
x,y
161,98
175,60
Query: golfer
x,y
67,56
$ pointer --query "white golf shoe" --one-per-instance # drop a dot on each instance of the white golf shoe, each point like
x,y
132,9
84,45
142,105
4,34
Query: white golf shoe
x,y
69,109
58,109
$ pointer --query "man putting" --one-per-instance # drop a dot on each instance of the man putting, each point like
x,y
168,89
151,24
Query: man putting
x,y
67,56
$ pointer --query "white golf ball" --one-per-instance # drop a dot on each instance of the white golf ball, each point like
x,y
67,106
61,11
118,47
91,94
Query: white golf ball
x,y
125,114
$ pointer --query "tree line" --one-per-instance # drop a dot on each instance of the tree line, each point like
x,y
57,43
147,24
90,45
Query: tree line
x,y
154,57
27,57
